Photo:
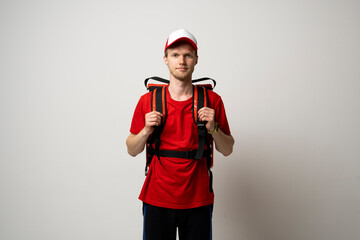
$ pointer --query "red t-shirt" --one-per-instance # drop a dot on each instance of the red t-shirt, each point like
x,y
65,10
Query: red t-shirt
x,y
178,183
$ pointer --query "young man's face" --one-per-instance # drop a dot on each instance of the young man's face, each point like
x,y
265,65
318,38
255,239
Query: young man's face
x,y
181,61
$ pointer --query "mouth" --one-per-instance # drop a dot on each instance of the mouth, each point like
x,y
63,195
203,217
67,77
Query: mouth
x,y
182,69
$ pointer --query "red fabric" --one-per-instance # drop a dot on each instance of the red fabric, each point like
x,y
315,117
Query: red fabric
x,y
178,183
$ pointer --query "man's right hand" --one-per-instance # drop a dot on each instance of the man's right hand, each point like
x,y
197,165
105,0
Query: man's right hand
x,y
152,119
136,142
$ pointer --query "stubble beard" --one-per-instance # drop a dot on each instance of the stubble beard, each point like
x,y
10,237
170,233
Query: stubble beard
x,y
182,76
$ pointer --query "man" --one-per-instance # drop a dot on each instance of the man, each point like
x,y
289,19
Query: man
x,y
176,190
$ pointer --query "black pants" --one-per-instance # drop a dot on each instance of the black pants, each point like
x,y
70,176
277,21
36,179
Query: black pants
x,y
193,224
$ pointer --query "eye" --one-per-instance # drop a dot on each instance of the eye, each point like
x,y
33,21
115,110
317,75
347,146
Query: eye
x,y
175,55
188,55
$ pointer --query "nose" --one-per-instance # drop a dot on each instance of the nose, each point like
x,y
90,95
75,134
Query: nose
x,y
182,59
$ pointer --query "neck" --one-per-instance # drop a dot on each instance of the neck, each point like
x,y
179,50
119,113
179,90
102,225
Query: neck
x,y
180,90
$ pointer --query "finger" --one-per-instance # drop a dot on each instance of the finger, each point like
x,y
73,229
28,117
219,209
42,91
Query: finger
x,y
208,117
206,112
154,115
157,113
153,119
204,108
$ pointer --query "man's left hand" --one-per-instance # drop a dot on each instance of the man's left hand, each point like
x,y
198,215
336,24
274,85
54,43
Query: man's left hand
x,y
207,115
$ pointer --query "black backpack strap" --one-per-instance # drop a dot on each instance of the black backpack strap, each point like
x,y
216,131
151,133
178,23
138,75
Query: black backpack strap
x,y
158,103
183,154
209,158
200,100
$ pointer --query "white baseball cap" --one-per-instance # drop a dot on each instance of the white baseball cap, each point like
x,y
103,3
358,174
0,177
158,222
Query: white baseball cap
x,y
181,35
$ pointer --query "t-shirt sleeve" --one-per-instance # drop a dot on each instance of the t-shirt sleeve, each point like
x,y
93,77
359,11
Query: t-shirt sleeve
x,y
138,120
220,116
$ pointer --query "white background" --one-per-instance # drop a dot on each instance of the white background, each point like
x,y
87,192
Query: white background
x,y
71,73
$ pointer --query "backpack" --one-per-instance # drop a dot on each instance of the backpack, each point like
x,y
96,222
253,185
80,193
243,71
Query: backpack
x,y
158,103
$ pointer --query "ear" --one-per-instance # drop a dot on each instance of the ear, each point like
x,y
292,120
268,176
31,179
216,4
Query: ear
x,y
166,60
